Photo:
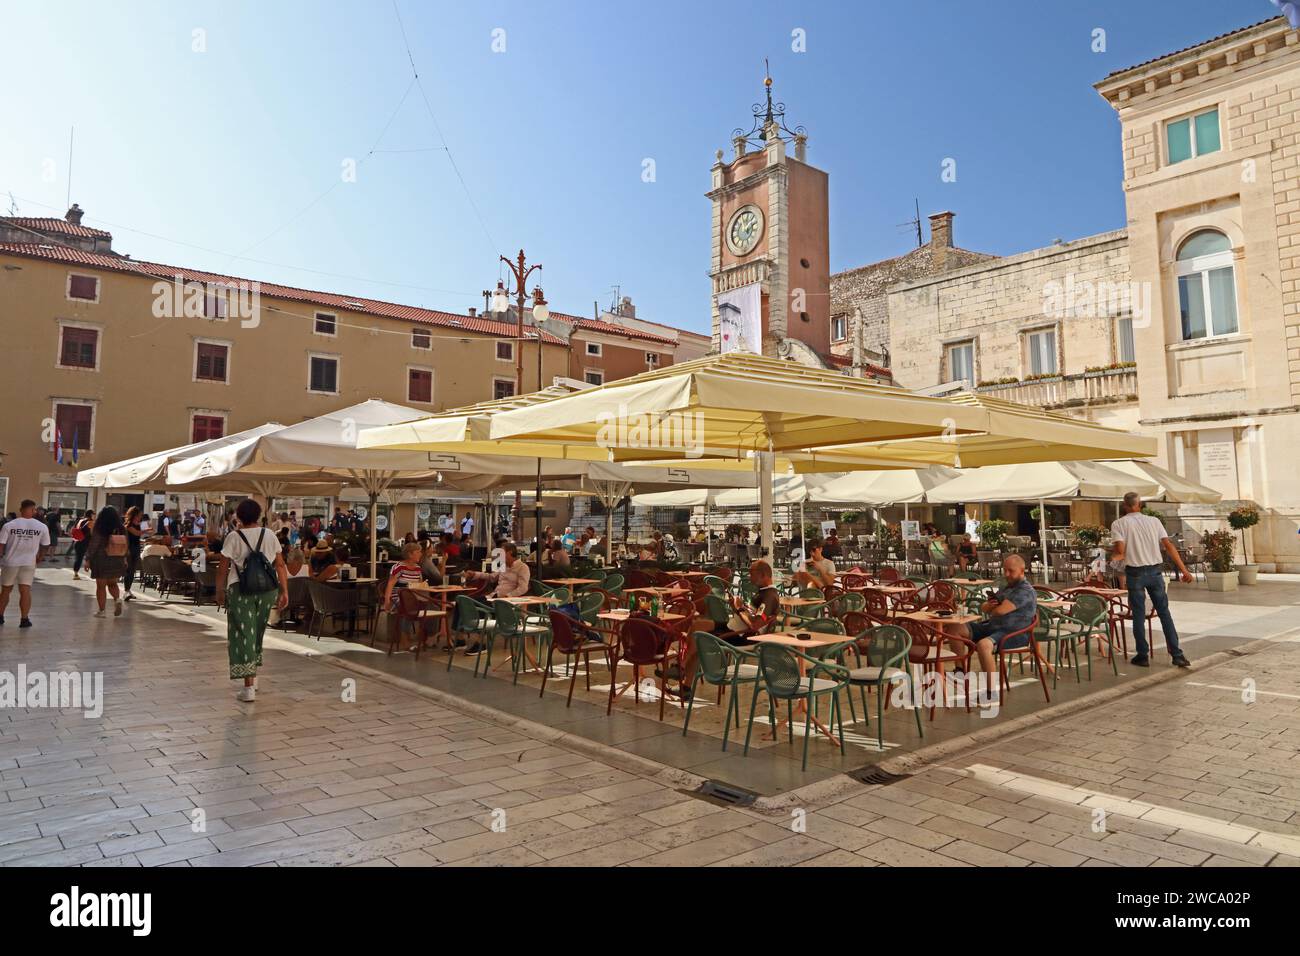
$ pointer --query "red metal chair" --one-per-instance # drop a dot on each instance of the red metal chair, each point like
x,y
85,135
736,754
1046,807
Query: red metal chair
x,y
888,575
573,639
1031,648
932,648
878,606
641,643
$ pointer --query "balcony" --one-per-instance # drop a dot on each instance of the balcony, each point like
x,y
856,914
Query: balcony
x,y
1115,386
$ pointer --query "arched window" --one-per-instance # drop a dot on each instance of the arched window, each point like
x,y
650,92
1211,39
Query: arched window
x,y
1207,288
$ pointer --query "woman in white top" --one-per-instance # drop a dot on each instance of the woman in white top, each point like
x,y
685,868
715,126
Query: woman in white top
x,y
247,614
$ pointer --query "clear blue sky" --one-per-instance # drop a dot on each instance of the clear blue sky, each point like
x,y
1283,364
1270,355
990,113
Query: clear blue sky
x,y
233,150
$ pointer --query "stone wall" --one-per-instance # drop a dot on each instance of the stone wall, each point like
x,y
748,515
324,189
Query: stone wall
x,y
1079,288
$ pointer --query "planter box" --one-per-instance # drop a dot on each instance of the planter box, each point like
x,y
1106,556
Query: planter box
x,y
1247,574
1221,580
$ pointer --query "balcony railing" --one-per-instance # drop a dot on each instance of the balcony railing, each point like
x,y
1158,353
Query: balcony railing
x,y
1109,387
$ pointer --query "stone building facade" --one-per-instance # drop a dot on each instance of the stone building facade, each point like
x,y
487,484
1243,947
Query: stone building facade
x,y
859,297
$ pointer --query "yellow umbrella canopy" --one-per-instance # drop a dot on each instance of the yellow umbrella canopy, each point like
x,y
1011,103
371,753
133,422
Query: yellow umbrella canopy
x,y
1014,434
730,406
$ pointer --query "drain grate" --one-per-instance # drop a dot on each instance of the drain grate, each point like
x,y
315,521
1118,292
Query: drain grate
x,y
877,776
724,794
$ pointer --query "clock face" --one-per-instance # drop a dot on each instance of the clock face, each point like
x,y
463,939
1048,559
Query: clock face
x,y
745,230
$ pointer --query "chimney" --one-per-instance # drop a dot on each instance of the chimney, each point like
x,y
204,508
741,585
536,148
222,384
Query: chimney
x,y
74,215
940,239
473,312
626,309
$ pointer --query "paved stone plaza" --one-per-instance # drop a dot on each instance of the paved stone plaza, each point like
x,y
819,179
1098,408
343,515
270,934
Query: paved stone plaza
x,y
1184,773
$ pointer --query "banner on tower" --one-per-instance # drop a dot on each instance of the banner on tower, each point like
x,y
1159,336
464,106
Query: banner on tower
x,y
740,319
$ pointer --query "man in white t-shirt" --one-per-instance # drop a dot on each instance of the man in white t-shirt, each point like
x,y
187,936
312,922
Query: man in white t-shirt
x,y
1137,540
467,526
23,543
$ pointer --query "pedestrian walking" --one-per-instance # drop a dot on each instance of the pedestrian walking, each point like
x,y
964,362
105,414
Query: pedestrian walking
x,y
106,555
135,533
251,580
23,543
80,541
1137,540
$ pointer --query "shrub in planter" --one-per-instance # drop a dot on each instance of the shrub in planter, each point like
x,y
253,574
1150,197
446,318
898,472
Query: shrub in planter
x,y
1241,519
1089,536
993,533
1219,548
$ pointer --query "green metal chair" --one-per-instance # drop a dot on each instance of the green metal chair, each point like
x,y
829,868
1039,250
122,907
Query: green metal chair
x,y
780,679
474,620
724,666
613,584
590,605
886,656
515,630
919,580
1090,619
717,585
849,601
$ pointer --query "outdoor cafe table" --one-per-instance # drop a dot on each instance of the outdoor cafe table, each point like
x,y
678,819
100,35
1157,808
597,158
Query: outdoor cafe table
x,y
443,593
968,582
352,583
526,601
792,639
571,582
687,574
938,621
1104,592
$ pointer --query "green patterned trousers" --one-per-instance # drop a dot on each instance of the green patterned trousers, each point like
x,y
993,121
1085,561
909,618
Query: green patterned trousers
x,y
246,616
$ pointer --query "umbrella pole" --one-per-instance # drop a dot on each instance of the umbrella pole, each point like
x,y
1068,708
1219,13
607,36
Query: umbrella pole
x,y
374,533
765,501
1042,536
803,544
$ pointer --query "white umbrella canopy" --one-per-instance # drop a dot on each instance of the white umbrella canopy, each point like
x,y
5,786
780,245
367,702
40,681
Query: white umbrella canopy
x,y
143,471
786,490
1039,481
1174,487
319,450
904,486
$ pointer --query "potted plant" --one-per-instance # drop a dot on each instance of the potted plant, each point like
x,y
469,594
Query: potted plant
x,y
850,518
1242,518
1219,548
993,533
1088,536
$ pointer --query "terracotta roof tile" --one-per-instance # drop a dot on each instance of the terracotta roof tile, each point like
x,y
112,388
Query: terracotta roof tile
x,y
52,225
329,300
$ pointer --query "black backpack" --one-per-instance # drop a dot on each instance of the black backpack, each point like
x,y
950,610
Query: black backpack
x,y
257,576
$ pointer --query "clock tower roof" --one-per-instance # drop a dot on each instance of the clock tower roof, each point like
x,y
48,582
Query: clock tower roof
x,y
768,121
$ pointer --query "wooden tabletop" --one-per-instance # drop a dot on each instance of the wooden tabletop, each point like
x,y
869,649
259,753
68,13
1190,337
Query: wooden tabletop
x,y
968,582
687,574
1055,604
1108,592
571,582
929,617
790,639
889,588
439,587
352,581
801,601
656,590
617,615
528,599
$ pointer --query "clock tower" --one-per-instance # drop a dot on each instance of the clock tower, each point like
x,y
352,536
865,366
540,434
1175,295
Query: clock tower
x,y
771,242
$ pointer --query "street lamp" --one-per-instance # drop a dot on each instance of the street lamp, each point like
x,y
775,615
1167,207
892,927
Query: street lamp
x,y
519,273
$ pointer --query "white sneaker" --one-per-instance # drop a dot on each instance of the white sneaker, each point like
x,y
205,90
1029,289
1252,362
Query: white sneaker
x,y
99,614
117,609
76,576
247,694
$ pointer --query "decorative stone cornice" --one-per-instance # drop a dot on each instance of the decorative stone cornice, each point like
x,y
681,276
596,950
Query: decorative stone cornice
x,y
1201,64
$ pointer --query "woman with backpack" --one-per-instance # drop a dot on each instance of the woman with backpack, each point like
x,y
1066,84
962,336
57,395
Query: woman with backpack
x,y
251,579
81,541
106,556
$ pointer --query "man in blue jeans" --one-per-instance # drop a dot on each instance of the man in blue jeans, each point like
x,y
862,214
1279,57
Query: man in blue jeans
x,y
1137,540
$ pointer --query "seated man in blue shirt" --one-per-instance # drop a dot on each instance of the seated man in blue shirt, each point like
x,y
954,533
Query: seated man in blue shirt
x,y
1009,610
